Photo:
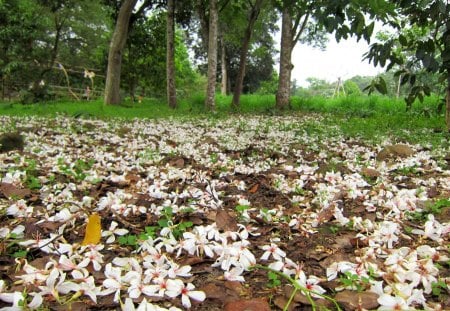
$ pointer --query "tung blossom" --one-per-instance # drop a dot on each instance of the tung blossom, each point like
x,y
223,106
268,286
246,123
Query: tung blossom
x,y
112,232
188,293
433,229
274,251
389,303
311,284
20,209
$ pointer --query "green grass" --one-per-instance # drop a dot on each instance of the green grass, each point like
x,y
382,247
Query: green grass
x,y
368,117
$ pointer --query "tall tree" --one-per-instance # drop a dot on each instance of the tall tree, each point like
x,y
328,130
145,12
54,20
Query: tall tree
x,y
255,9
37,34
212,55
309,20
170,59
295,23
284,80
119,38
223,67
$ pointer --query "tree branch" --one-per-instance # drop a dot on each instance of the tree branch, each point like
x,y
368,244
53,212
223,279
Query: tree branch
x,y
224,6
302,28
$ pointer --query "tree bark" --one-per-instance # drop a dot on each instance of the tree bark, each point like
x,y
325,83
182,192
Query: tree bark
x,y
254,13
446,61
204,27
447,111
170,55
119,38
212,56
284,81
224,71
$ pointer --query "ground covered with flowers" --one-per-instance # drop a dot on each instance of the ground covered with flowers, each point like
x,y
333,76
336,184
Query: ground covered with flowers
x,y
256,213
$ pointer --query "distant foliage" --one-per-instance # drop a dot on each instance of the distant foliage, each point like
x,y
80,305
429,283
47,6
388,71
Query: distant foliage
x,y
351,88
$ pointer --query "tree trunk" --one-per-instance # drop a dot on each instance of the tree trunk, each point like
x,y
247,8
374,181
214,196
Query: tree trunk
x,y
446,62
54,53
244,51
119,38
202,15
212,56
223,63
284,81
397,93
170,55
447,111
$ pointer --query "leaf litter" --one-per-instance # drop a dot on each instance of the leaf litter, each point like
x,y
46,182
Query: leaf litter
x,y
217,214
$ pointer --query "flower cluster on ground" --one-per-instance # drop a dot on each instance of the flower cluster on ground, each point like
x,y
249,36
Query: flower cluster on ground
x,y
192,205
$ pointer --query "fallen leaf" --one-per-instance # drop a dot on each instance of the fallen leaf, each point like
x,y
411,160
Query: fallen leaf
x,y
254,188
9,190
93,232
281,302
236,287
357,301
225,222
212,290
257,304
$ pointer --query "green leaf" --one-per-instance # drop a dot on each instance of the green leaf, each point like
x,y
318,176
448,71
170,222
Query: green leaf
x,y
405,79
403,41
122,240
420,53
163,223
20,254
381,86
132,240
412,79
369,31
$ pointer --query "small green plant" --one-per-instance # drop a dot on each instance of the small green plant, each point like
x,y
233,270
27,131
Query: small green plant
x,y
439,288
434,208
214,157
334,229
128,240
167,221
31,174
408,170
33,182
274,279
12,246
77,170
241,211
354,281
299,190
275,276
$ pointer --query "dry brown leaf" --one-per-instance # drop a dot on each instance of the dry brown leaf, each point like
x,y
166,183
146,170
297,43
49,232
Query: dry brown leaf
x,y
281,302
213,291
225,222
11,191
254,188
257,304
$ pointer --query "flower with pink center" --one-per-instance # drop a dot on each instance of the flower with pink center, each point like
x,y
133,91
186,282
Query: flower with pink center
x,y
93,256
188,293
390,303
274,251
311,284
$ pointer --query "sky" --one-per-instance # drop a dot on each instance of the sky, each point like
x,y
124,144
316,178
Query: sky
x,y
343,59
